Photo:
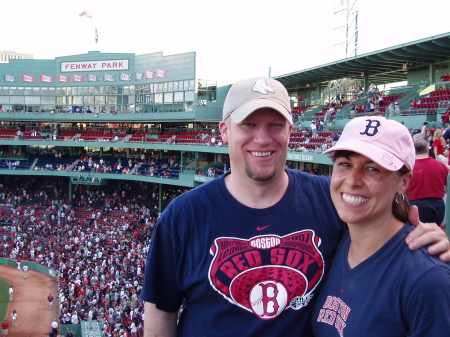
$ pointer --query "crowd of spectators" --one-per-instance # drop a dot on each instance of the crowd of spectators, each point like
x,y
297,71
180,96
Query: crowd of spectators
x,y
98,243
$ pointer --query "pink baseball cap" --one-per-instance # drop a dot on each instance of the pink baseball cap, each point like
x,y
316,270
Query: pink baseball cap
x,y
387,142
248,95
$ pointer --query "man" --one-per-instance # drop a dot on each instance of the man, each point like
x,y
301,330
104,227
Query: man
x,y
428,185
423,130
396,108
90,316
11,292
5,327
446,136
25,270
336,137
54,326
339,98
445,118
251,265
369,106
352,109
50,301
313,129
327,118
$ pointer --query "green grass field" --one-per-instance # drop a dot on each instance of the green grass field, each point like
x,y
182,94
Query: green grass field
x,y
4,300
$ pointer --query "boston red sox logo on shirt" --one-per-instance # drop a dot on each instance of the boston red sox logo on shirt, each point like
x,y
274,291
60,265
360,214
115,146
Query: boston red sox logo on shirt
x,y
267,274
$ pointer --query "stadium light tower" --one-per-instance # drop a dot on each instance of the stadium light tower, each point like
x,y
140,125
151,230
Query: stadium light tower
x,y
345,30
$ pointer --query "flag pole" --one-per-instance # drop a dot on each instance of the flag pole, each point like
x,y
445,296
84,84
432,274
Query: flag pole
x,y
88,15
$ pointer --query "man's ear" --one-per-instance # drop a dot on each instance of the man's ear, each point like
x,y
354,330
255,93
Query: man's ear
x,y
223,127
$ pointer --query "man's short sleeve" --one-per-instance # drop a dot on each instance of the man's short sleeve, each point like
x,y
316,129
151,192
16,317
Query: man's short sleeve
x,y
161,285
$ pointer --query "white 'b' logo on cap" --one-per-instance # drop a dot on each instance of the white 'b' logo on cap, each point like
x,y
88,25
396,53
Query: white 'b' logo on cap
x,y
261,87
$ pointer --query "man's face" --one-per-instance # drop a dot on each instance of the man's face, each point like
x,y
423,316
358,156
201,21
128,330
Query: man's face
x,y
257,145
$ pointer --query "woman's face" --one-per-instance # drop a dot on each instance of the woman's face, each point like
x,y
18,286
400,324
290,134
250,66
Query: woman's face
x,y
362,191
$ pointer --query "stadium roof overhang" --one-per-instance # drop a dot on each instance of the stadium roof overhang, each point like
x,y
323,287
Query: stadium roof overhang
x,y
381,67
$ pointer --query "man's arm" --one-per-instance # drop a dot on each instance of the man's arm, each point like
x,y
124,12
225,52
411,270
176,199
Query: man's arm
x,y
159,323
426,234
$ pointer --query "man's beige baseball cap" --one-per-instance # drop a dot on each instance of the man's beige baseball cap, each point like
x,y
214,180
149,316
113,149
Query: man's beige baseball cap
x,y
248,95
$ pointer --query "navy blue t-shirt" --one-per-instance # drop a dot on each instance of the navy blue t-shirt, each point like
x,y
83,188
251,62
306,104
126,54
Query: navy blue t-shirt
x,y
243,271
394,293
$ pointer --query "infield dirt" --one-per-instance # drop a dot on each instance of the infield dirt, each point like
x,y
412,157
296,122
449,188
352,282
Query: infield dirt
x,y
30,302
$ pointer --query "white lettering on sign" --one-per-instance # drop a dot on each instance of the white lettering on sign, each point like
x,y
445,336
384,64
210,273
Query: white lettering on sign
x,y
94,65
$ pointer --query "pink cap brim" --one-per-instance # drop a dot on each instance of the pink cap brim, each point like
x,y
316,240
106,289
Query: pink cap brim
x,y
379,155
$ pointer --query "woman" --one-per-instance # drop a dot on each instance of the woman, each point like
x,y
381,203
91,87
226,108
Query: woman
x,y
438,143
430,138
414,107
376,286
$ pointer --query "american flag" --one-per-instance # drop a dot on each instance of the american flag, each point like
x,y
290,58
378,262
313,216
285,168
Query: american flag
x,y
108,78
86,14
10,78
93,78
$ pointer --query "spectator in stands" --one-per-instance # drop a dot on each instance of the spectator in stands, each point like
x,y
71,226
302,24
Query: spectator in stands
x,y
428,184
321,124
336,136
302,116
352,109
446,136
414,107
438,143
313,127
443,158
327,118
369,106
423,130
397,108
339,98
380,99
372,88
445,118
332,109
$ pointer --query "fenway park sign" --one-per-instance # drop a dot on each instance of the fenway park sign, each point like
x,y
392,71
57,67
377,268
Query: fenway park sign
x,y
94,65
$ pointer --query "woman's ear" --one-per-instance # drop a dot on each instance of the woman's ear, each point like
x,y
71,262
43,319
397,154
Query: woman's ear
x,y
404,183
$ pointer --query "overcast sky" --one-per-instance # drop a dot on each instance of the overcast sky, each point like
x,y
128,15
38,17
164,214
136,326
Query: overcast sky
x,y
234,38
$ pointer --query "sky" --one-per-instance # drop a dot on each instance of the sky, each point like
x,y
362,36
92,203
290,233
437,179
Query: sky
x,y
234,39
